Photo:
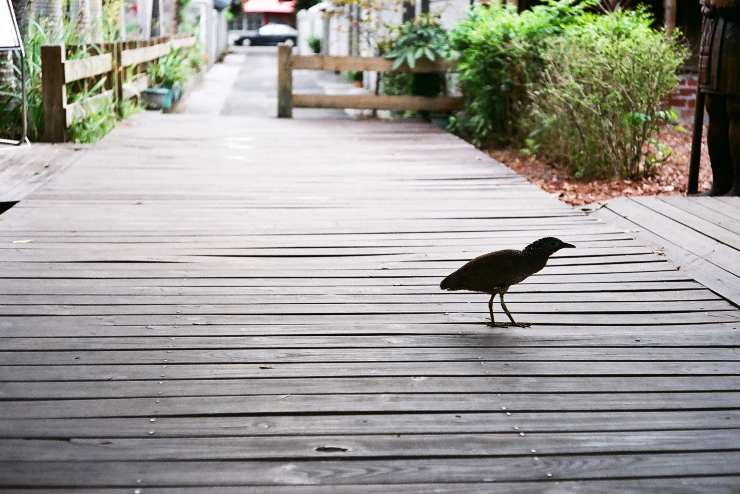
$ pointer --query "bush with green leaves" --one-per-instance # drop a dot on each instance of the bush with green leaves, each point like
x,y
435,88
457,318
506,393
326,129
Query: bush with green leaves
x,y
499,57
600,101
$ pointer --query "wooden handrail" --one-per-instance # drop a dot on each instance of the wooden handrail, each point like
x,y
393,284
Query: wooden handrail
x,y
57,72
287,62
365,64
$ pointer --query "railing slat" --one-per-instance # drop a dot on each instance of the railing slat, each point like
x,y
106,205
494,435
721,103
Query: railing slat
x,y
183,42
135,86
140,55
75,70
80,109
371,102
365,64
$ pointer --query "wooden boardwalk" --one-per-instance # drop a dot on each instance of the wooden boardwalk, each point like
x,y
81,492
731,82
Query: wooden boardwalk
x,y
229,305
700,234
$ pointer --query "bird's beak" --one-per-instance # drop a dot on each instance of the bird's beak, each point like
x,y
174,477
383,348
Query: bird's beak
x,y
567,246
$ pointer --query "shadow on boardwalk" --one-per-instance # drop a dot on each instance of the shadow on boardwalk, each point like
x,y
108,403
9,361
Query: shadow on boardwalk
x,y
206,300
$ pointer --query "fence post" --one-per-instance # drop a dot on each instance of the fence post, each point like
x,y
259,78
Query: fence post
x,y
285,82
54,93
118,76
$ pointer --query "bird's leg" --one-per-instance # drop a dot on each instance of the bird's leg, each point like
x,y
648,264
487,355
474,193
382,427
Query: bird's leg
x,y
513,322
490,311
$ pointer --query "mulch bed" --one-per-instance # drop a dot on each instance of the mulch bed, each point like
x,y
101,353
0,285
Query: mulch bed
x,y
670,179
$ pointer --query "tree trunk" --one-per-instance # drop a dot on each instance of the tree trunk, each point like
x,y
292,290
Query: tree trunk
x,y
20,7
50,14
79,19
95,9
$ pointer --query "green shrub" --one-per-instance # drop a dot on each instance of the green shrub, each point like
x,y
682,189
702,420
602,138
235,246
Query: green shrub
x,y
600,102
499,58
418,39
314,43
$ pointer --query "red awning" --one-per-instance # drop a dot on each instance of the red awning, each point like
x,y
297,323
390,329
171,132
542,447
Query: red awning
x,y
269,6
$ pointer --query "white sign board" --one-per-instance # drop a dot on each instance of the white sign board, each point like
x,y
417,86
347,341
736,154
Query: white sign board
x,y
10,38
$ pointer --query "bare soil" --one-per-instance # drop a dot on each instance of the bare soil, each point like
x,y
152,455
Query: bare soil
x,y
670,179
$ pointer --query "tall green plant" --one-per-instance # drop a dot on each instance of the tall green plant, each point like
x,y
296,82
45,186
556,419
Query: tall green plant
x,y
10,104
418,39
499,58
600,104
175,67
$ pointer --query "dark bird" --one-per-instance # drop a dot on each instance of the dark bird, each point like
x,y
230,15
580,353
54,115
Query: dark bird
x,y
496,271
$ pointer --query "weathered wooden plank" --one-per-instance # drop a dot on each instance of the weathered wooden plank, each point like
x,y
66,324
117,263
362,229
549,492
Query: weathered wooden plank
x,y
674,485
705,227
516,442
365,64
82,108
135,308
40,335
134,56
418,384
54,93
341,425
183,42
326,472
365,403
370,102
390,354
360,369
83,68
325,296
537,320
284,82
698,207
712,265
135,86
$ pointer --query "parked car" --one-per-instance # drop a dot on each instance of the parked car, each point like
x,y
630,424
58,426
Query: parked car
x,y
269,34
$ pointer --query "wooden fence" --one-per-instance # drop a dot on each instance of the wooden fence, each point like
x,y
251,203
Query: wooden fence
x,y
122,64
287,100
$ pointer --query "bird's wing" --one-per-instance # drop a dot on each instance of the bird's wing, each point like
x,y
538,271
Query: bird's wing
x,y
496,269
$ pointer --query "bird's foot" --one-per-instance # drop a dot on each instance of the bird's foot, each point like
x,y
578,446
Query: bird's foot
x,y
508,324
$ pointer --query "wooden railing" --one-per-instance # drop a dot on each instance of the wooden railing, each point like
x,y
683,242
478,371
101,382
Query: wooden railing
x,y
122,64
287,100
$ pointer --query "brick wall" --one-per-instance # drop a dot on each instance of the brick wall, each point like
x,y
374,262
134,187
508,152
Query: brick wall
x,y
684,99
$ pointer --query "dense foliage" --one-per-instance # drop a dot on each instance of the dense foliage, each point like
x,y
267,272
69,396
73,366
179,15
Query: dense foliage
x,y
175,68
582,88
10,98
600,104
499,58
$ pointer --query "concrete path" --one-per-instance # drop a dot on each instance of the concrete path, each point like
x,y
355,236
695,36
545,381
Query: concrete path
x,y
246,85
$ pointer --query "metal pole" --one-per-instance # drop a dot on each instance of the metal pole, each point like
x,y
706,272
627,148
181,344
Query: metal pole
x,y
695,160
24,102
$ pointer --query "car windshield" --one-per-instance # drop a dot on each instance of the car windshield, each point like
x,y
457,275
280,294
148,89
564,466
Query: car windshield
x,y
277,29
